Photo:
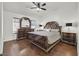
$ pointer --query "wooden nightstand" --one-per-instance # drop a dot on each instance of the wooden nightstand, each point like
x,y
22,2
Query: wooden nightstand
x,y
69,36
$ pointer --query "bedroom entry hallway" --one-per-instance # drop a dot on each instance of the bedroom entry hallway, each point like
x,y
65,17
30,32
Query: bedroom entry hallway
x,y
25,48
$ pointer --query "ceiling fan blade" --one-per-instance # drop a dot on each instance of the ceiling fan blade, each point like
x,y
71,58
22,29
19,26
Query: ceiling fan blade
x,y
43,4
34,3
38,4
33,7
43,8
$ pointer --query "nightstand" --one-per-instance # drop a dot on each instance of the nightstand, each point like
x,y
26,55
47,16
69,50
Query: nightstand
x,y
69,35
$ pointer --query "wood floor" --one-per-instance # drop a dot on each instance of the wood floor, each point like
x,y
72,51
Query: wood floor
x,y
25,48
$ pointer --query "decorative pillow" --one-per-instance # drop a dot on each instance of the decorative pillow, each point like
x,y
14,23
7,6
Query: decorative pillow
x,y
39,29
54,30
47,30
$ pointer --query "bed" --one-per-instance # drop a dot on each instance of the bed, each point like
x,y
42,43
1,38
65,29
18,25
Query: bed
x,y
46,40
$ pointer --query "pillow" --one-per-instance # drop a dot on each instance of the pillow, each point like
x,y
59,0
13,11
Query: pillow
x,y
54,30
39,29
47,30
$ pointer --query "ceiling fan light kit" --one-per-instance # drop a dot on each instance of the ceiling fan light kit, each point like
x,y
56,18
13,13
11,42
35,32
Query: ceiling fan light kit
x,y
39,6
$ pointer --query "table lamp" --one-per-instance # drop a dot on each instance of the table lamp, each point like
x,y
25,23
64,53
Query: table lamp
x,y
68,25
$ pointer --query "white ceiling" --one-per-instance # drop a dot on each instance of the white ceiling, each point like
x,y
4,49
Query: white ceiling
x,y
52,7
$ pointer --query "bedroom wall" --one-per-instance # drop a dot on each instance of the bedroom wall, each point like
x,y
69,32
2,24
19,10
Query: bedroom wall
x,y
67,13
1,40
62,19
8,24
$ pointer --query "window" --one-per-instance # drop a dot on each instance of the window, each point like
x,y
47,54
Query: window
x,y
15,25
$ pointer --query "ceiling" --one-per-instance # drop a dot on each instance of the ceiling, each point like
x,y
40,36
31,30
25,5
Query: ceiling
x,y
52,8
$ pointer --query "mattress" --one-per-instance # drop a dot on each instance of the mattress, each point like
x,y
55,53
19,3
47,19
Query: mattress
x,y
52,36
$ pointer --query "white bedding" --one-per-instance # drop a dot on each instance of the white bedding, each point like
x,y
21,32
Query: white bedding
x,y
41,29
53,36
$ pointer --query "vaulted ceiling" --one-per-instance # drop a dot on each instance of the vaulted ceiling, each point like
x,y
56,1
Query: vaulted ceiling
x,y
52,8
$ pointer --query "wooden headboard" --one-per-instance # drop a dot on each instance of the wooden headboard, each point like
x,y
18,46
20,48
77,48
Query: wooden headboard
x,y
52,25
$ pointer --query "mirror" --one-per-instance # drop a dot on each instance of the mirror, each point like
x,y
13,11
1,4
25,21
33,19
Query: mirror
x,y
25,22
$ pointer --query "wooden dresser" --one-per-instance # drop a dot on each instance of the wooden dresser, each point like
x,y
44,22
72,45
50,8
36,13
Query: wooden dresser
x,y
22,31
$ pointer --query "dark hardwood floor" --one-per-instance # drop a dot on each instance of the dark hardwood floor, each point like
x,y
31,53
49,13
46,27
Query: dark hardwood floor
x,y
25,48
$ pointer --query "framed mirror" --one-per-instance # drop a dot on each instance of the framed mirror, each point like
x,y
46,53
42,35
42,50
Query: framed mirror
x,y
25,22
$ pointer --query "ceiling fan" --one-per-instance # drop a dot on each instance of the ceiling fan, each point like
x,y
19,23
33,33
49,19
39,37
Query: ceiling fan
x,y
39,6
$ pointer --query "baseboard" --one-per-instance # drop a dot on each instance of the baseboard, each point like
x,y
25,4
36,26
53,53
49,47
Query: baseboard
x,y
9,40
14,39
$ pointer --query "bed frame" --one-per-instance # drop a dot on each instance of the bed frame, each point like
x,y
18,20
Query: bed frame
x,y
42,41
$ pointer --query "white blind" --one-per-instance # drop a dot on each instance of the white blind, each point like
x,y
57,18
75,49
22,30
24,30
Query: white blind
x,y
15,25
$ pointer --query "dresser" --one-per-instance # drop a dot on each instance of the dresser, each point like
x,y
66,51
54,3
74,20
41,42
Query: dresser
x,y
22,32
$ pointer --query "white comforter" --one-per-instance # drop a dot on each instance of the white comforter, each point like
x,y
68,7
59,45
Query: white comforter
x,y
53,36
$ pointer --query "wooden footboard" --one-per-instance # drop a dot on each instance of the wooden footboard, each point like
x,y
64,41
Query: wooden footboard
x,y
41,42
49,48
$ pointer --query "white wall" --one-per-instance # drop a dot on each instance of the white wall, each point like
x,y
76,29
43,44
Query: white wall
x,y
67,13
8,24
1,41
